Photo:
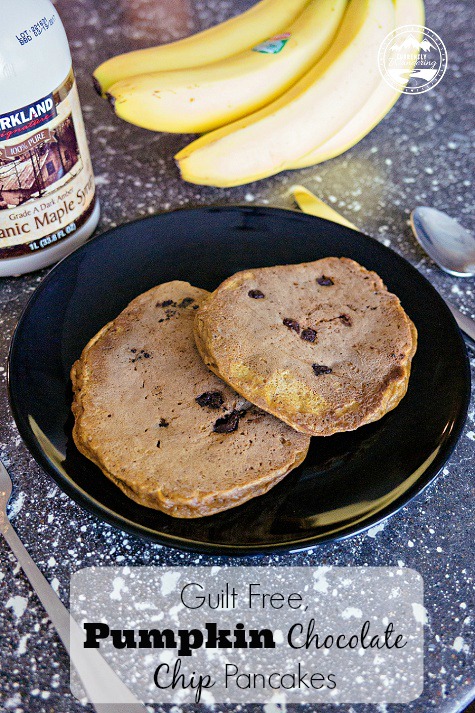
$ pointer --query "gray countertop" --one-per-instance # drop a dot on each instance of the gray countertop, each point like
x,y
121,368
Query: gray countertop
x,y
420,154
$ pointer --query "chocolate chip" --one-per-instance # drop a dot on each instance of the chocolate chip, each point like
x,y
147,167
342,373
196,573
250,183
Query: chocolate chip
x,y
133,351
146,355
211,399
186,301
158,444
163,423
292,324
345,319
228,423
325,281
309,335
256,294
321,369
166,303
196,306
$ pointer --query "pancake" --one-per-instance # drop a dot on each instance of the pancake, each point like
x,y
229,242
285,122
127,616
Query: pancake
x,y
169,433
321,345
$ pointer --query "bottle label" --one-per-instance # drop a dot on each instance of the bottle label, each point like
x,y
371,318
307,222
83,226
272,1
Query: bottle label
x,y
46,181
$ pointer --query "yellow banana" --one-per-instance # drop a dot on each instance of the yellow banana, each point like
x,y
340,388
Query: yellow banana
x,y
261,21
199,99
309,113
408,12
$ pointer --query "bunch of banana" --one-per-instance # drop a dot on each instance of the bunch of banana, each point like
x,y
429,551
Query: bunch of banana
x,y
300,98
199,99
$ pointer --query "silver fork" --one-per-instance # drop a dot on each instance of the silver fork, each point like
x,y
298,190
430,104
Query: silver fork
x,y
99,681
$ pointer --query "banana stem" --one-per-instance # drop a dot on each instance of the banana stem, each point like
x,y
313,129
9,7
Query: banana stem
x,y
309,203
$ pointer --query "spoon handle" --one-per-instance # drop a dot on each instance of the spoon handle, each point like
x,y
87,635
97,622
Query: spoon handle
x,y
465,323
100,682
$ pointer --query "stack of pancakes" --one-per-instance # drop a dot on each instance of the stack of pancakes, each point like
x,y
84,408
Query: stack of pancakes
x,y
193,402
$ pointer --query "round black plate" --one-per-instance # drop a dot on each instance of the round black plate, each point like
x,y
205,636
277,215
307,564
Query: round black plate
x,y
348,481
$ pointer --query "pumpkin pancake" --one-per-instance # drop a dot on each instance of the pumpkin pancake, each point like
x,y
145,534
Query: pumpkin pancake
x,y
169,433
321,345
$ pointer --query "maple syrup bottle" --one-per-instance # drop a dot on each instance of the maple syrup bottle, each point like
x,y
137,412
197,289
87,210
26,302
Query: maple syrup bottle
x,y
48,204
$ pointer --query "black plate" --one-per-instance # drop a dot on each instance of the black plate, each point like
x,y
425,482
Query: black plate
x,y
348,481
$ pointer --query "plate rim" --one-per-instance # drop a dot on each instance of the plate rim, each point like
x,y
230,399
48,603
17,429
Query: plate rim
x,y
102,512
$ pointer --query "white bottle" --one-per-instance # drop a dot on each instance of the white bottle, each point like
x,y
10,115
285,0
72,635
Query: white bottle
x,y
47,195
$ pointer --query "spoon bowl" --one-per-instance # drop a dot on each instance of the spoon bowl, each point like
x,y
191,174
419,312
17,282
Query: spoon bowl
x,y
450,245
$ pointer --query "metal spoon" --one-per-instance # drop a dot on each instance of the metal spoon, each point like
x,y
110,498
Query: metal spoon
x,y
104,689
445,241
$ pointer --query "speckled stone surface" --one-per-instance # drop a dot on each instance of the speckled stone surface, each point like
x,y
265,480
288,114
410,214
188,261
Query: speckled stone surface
x,y
420,154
